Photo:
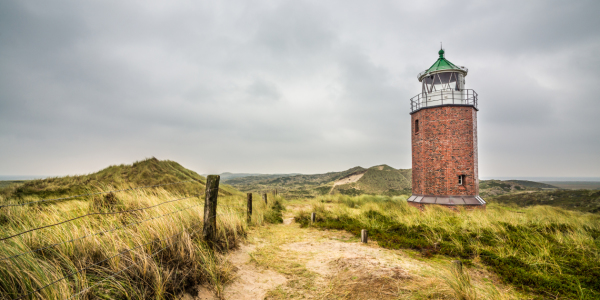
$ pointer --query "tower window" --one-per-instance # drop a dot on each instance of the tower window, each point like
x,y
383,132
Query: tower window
x,y
461,179
416,125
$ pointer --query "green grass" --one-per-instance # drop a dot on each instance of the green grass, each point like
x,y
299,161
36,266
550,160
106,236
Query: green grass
x,y
579,200
550,252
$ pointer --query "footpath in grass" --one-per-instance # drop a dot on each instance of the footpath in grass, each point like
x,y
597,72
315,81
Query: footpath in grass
x,y
287,261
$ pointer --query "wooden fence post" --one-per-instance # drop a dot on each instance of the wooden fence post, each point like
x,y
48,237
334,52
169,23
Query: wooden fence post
x,y
457,266
209,232
313,217
264,195
249,212
364,237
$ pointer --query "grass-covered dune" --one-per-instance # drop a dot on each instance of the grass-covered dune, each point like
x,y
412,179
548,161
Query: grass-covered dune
x,y
142,173
546,252
155,251
378,180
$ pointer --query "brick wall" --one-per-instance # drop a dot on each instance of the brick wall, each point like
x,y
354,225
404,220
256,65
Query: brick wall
x,y
444,148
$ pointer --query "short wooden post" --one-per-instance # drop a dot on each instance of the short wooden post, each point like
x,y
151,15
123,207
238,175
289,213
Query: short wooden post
x,y
313,217
364,236
249,212
264,195
458,266
210,208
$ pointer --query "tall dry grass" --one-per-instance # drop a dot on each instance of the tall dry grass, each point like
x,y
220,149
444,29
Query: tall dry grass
x,y
168,256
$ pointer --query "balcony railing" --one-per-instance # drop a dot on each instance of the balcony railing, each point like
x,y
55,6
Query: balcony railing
x,y
444,97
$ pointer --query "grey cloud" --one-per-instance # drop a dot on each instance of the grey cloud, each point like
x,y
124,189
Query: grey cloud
x,y
302,86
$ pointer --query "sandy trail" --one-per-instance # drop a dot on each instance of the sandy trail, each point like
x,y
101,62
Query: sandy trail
x,y
286,261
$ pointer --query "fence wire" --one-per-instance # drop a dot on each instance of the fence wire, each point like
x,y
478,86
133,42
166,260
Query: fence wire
x,y
231,213
99,233
109,258
95,214
95,264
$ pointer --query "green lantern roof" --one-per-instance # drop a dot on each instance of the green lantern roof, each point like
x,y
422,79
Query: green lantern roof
x,y
442,64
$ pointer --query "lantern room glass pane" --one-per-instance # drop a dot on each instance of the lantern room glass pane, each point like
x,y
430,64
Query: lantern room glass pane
x,y
441,81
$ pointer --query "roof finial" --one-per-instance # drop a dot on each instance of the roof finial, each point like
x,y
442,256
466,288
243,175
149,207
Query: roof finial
x,y
441,52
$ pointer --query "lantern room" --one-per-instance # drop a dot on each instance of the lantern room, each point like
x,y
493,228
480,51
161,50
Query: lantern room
x,y
443,84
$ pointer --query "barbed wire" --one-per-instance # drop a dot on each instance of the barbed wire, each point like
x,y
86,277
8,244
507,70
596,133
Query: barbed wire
x,y
109,258
93,214
95,264
235,207
98,233
98,193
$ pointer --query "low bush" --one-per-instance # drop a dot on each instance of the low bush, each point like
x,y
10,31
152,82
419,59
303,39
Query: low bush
x,y
274,214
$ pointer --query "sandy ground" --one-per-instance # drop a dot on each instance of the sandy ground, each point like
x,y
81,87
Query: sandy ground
x,y
251,282
326,255
288,262
349,179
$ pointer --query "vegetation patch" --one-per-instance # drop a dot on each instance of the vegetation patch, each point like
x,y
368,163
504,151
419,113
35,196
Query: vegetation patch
x,y
547,251
274,214
580,200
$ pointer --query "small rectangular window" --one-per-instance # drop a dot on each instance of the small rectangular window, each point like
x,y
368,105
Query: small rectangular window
x,y
416,125
461,179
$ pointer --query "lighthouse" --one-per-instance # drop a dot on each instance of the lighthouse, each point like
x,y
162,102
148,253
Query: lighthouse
x,y
444,139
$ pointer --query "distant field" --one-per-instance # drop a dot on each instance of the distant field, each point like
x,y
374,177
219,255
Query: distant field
x,y
575,185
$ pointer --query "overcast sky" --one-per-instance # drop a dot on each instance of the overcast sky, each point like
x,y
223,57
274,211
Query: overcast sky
x,y
291,86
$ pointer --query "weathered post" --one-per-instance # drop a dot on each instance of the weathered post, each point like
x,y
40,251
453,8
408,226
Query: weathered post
x,y
249,212
457,266
364,236
264,195
210,208
313,217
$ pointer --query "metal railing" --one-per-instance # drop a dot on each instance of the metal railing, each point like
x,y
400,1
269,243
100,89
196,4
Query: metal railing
x,y
464,97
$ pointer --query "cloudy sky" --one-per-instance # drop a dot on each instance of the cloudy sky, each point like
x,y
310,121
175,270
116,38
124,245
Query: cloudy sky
x,y
291,86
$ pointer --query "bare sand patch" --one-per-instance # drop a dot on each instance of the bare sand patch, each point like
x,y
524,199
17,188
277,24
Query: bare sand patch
x,y
330,257
251,282
349,179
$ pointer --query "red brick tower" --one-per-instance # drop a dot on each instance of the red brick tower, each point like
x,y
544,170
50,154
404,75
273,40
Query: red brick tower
x,y
444,139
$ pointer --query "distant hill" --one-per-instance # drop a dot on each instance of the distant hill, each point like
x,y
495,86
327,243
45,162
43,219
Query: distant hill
x,y
227,176
490,188
142,173
381,179
576,185
581,200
